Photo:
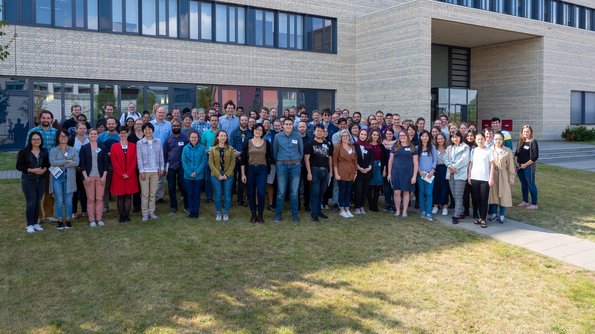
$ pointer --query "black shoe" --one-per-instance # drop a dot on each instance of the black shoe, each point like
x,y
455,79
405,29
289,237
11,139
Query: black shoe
x,y
161,200
455,220
68,225
60,226
242,203
322,215
209,200
173,210
307,208
475,215
315,219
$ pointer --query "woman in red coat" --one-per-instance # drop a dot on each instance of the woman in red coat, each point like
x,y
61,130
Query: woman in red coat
x,y
124,179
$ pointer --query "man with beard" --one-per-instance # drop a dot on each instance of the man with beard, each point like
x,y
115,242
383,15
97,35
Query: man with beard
x,y
70,124
172,155
130,112
357,119
237,140
107,139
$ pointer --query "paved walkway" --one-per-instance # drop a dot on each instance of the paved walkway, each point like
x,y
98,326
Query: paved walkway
x,y
10,174
576,251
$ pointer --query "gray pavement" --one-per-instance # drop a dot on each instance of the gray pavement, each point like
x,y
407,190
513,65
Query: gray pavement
x,y
573,155
10,174
572,250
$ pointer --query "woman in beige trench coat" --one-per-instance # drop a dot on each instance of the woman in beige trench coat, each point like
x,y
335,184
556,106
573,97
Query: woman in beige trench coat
x,y
504,172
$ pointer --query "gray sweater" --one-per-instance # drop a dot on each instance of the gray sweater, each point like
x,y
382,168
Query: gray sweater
x,y
58,159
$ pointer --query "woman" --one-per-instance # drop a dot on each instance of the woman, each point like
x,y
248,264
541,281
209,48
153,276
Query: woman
x,y
434,132
526,155
364,167
412,133
388,142
467,198
94,167
77,142
504,168
452,128
354,131
480,176
150,161
456,160
378,169
187,126
129,125
472,127
64,160
345,170
463,127
428,160
222,162
402,171
255,165
124,179
441,189
194,160
33,163
136,135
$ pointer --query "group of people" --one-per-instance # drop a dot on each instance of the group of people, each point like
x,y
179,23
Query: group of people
x,y
267,158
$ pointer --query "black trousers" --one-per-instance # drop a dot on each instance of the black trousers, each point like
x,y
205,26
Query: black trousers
x,y
360,189
239,186
33,188
480,193
306,187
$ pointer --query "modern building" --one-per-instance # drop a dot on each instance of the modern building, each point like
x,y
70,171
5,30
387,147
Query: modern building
x,y
526,61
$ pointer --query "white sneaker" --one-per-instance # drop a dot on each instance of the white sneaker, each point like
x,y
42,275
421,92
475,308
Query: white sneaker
x,y
349,214
52,219
30,229
434,210
219,217
445,212
152,215
100,223
362,211
93,224
344,214
37,227
358,211
225,217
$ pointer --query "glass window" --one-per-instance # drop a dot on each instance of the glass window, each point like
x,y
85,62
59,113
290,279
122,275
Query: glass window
x,y
270,98
14,107
589,108
103,94
258,27
92,20
162,18
63,13
159,95
221,23
79,10
194,10
325,100
117,16
229,93
232,24
317,34
241,25
77,94
269,30
132,16
43,12
47,95
206,21
283,33
132,94
264,28
173,18
576,108
288,98
149,17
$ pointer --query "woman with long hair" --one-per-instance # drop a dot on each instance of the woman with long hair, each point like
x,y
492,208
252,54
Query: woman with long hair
x,y
388,142
354,130
469,140
33,163
255,164
456,160
345,168
77,142
402,171
500,192
378,169
194,159
480,176
64,159
428,160
526,155
124,179
441,188
94,163
364,167
222,162
412,133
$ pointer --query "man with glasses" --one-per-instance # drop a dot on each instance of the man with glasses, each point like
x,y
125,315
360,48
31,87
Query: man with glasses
x,y
172,155
288,151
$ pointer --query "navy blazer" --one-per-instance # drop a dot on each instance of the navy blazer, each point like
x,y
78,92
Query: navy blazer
x,y
86,161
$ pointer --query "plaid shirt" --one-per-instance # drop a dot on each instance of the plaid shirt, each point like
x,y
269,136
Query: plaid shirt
x,y
49,136
149,156
237,142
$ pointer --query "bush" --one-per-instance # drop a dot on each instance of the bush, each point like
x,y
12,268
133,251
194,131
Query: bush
x,y
578,133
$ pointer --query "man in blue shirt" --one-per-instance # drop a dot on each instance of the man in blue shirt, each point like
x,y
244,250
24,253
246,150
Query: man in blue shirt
x,y
229,122
172,155
107,139
288,151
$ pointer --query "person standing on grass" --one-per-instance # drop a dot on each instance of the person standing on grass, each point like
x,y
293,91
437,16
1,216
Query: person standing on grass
x,y
480,176
222,162
149,158
65,159
457,162
526,155
388,142
136,135
124,180
428,160
363,150
288,151
94,163
441,188
319,162
79,196
238,140
162,130
345,165
255,164
467,198
172,154
207,138
378,169
107,139
402,171
500,192
194,159
33,163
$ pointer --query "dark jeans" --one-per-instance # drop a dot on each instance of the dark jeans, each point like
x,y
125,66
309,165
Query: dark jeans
x,y
108,184
306,189
441,188
193,190
480,191
240,186
360,188
389,199
256,182
345,193
80,195
466,196
208,184
317,189
33,188
176,176
527,178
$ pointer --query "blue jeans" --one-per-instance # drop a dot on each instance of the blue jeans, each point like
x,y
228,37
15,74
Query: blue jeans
x,y
61,197
193,190
344,193
318,187
176,176
425,195
208,185
494,209
219,187
256,182
527,178
287,174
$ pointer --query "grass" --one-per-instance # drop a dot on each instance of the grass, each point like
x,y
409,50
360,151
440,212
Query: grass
x,y
565,201
8,160
374,275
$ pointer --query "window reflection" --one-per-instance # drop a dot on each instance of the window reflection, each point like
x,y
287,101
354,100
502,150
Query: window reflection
x,y
117,15
79,9
92,19
149,18
43,12
132,16
15,113
173,18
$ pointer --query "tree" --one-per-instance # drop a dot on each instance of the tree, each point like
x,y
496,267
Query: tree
x,y
104,96
4,46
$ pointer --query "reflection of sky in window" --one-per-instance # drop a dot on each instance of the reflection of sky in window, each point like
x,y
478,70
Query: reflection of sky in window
x,y
92,20
43,12
63,13
259,19
131,16
270,28
232,24
241,25
205,22
221,23
149,24
194,6
173,18
282,30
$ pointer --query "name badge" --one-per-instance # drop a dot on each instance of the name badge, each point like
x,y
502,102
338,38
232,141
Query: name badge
x,y
180,143
526,147
324,146
66,154
407,149
424,153
364,151
293,141
97,150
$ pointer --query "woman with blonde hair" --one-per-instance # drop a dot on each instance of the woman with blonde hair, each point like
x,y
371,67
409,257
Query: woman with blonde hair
x,y
526,155
345,168
402,171
222,163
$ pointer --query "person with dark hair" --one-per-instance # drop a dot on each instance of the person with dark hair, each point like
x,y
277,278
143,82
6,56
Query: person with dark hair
x,y
377,151
480,175
133,137
469,140
441,189
402,172
63,161
70,124
124,179
504,169
526,155
33,163
364,171
238,140
80,195
256,160
318,158
172,156
149,158
457,162
107,139
497,127
388,142
345,165
222,162
425,179
194,159
94,162
229,122
288,151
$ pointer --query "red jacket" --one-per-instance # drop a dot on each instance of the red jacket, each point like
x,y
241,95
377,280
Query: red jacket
x,y
124,164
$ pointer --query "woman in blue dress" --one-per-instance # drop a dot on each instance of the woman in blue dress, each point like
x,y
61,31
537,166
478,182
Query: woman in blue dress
x,y
402,171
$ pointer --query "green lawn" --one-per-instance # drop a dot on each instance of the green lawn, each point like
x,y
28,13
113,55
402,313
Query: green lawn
x,y
376,274
8,160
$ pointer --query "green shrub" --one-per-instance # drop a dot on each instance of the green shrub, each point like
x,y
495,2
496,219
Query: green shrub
x,y
578,133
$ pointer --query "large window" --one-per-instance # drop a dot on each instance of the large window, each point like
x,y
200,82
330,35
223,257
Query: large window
x,y
149,17
63,13
43,12
320,34
14,113
230,24
582,108
264,27
291,31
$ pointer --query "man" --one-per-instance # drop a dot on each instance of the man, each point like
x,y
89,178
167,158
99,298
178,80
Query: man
x,y
207,139
130,112
420,123
316,119
293,112
328,124
172,155
194,114
306,138
318,158
200,124
397,123
107,139
497,126
70,124
108,111
380,118
444,125
264,114
345,113
336,138
357,119
48,133
216,107
288,151
273,114
229,122
489,135
237,140
176,114
239,112
304,117
162,131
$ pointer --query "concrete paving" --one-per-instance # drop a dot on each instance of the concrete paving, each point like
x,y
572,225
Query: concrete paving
x,y
572,250
10,174
573,155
